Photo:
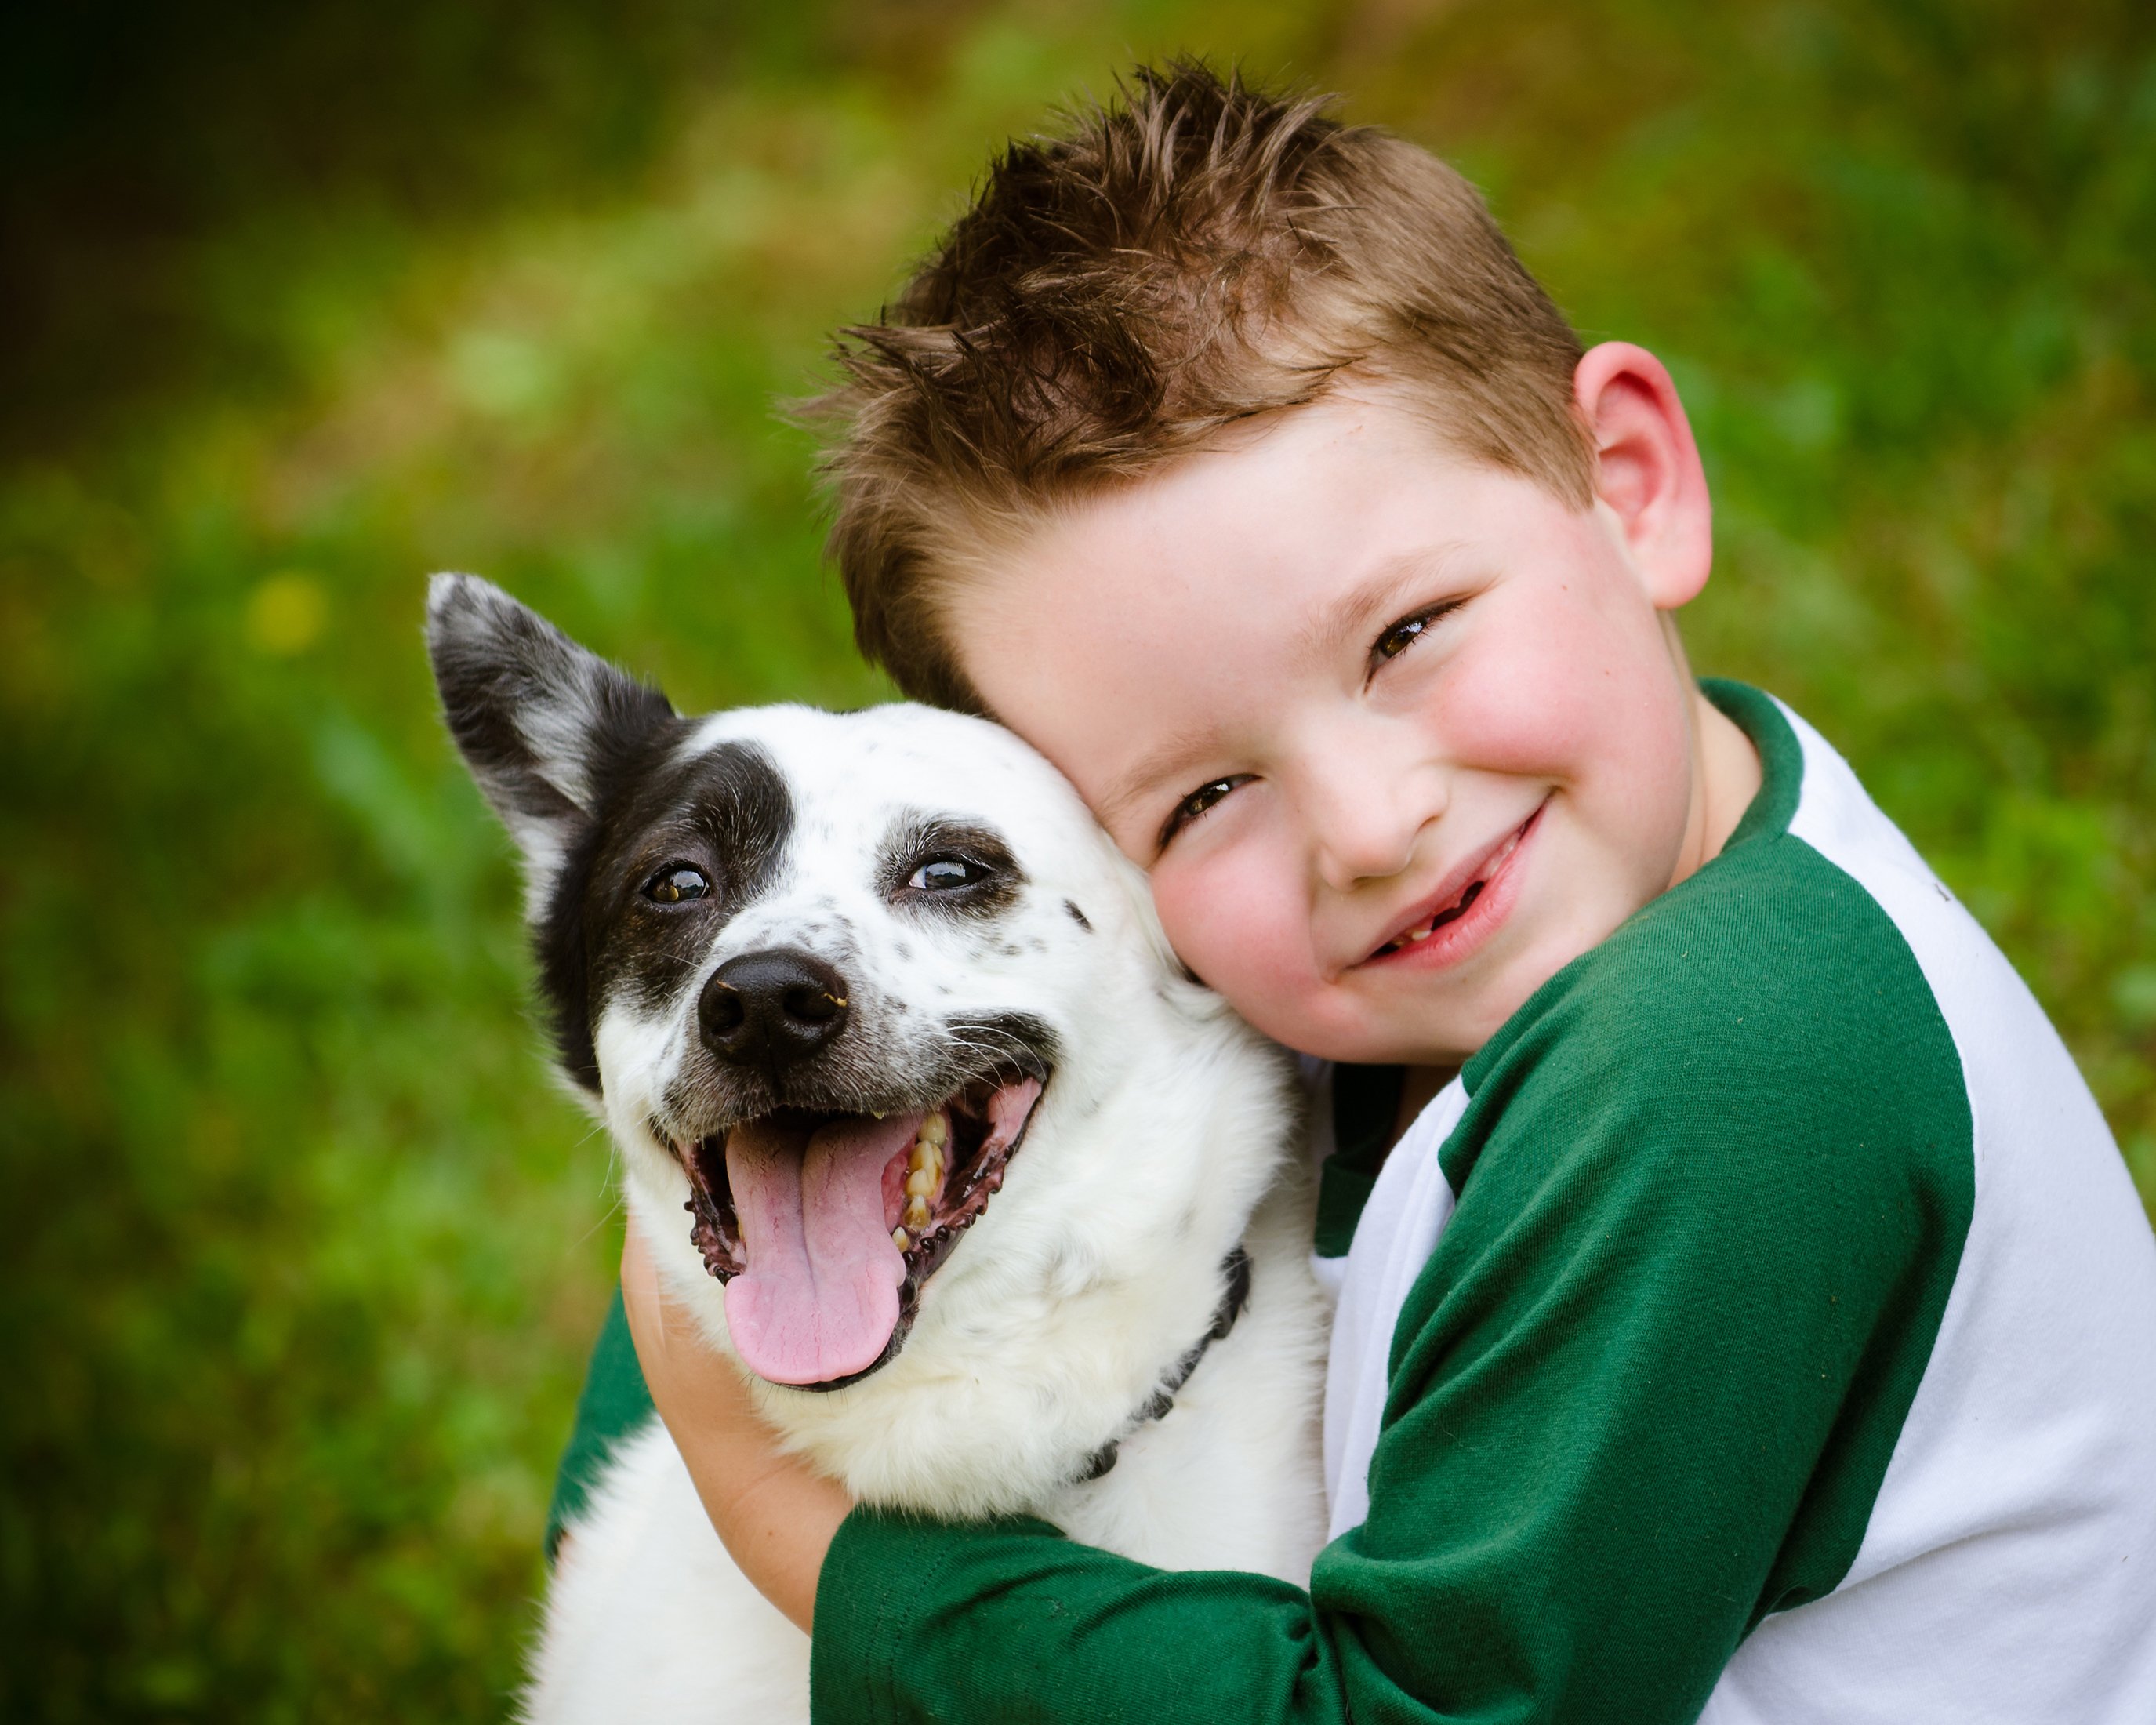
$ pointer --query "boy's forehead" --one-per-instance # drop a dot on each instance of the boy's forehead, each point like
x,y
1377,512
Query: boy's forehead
x,y
1324,509
1139,629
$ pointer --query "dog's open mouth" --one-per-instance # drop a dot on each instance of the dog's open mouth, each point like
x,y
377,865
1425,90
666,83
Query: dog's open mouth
x,y
822,1226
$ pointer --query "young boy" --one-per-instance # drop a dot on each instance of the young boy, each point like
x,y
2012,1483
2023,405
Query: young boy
x,y
1752,1319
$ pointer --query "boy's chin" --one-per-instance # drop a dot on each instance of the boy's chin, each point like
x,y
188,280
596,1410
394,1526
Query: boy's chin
x,y
1411,1020
1389,1042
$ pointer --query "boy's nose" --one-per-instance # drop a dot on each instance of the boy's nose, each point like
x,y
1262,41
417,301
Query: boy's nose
x,y
1366,805
1367,830
1347,856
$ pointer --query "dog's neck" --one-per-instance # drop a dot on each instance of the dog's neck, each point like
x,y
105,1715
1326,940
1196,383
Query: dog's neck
x,y
1236,1269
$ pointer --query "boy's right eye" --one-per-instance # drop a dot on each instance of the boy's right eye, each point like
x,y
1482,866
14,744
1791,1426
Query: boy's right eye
x,y
1197,802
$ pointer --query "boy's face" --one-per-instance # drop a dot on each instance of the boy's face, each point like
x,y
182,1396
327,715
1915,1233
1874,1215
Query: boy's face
x,y
1397,735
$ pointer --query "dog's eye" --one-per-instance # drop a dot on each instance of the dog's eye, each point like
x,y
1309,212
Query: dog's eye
x,y
677,883
942,873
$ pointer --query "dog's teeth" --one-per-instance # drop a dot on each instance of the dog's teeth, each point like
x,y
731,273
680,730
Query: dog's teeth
x,y
924,1169
934,1131
899,1239
916,1213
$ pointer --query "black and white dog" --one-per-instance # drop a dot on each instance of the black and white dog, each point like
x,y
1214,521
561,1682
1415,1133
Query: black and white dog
x,y
1000,1211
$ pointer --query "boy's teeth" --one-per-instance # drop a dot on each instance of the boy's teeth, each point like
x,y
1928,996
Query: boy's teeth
x,y
1460,906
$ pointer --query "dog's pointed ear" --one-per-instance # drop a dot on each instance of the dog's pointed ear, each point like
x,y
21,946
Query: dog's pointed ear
x,y
542,722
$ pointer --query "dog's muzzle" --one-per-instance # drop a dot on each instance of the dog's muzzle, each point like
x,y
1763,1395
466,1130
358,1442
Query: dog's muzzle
x,y
823,1222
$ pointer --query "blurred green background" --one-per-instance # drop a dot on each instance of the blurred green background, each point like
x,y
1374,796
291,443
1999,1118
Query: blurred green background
x,y
303,1247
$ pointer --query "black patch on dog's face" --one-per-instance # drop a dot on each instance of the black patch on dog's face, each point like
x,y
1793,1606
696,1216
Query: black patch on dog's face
x,y
1077,916
983,877
725,813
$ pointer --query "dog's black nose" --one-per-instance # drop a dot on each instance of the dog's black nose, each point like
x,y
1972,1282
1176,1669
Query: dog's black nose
x,y
770,1009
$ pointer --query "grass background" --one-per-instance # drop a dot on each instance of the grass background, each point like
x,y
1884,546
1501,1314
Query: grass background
x,y
303,1250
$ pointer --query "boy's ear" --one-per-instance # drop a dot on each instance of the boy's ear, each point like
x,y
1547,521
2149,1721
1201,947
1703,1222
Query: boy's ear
x,y
1648,472
542,723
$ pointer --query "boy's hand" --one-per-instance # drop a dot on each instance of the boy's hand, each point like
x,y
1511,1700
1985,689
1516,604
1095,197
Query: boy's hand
x,y
775,1513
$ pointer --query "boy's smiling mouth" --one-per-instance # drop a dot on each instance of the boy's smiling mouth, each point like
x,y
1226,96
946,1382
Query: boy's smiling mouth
x,y
1446,918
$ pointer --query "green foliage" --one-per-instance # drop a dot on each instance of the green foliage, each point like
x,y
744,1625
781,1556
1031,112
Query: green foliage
x,y
305,1248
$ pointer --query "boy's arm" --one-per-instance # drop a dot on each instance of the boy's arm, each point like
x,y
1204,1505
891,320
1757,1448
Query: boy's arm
x,y
1592,1482
1636,1399
774,1513
1643,1394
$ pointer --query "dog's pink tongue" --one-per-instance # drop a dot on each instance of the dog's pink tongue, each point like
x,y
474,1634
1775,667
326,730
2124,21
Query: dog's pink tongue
x,y
820,1297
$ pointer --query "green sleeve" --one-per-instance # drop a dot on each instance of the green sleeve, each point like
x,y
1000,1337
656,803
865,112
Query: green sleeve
x,y
1713,1182
614,1403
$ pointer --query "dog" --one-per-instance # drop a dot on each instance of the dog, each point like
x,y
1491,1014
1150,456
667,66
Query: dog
x,y
998,1209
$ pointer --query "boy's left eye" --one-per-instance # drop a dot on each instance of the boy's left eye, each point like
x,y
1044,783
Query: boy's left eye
x,y
945,874
1397,639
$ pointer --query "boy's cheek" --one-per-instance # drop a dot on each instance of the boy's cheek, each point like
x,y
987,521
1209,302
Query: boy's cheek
x,y
1538,701
1579,703
1226,923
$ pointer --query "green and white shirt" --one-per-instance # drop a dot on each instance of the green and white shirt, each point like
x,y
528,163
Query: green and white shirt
x,y
1762,1328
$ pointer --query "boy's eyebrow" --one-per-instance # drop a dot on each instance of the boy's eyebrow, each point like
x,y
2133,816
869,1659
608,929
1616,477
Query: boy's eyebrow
x,y
1348,614
1154,765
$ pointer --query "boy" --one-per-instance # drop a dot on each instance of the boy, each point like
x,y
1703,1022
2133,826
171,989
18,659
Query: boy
x,y
1752,1319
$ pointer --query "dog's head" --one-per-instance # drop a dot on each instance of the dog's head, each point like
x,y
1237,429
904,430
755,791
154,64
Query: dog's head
x,y
826,965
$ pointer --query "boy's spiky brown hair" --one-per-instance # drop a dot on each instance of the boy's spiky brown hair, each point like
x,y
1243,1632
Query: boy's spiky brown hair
x,y
1188,256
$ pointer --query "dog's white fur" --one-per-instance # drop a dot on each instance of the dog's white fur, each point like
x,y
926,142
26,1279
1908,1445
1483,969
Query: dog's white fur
x,y
1163,1139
